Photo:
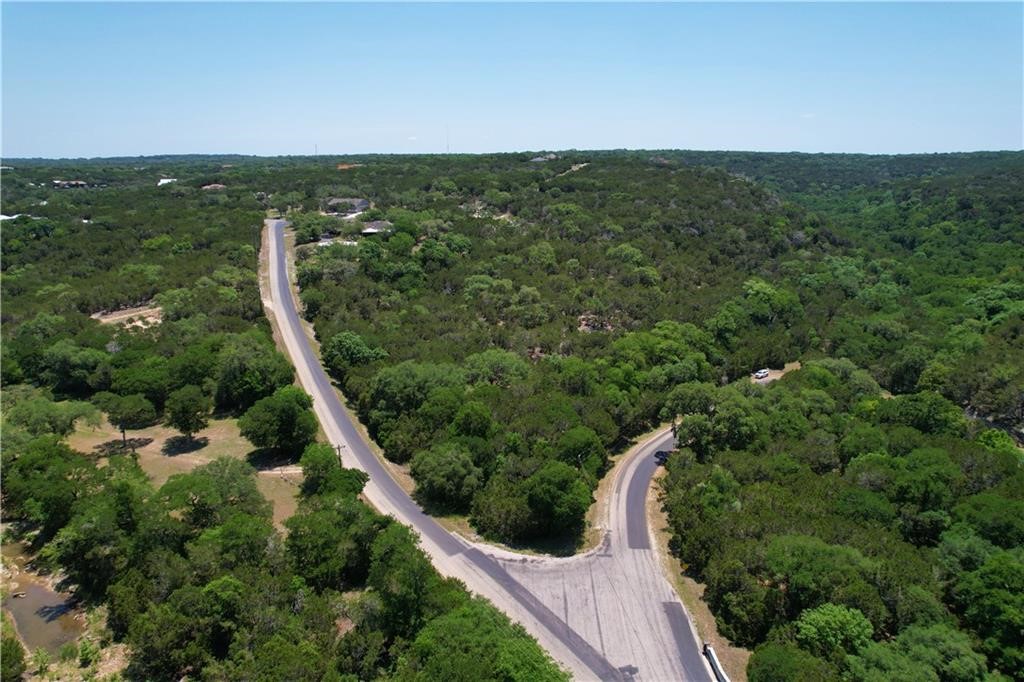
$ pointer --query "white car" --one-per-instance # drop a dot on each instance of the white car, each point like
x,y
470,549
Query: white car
x,y
761,374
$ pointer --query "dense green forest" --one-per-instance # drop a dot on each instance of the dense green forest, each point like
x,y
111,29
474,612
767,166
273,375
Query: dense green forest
x,y
527,318
845,534
192,574
515,322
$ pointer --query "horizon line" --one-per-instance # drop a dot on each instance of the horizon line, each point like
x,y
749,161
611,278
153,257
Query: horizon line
x,y
569,150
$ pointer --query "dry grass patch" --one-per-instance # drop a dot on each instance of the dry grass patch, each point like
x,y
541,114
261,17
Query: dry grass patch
x,y
163,452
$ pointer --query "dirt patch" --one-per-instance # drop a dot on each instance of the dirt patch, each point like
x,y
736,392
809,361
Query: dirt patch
x,y
733,659
776,374
163,452
143,316
572,169
588,323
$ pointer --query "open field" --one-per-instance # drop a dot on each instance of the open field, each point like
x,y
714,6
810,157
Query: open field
x,y
163,452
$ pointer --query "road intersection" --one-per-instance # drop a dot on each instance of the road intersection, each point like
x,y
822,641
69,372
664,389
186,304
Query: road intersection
x,y
608,614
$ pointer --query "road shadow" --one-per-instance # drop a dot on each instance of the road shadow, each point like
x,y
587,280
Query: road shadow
x,y
435,509
118,447
180,445
559,546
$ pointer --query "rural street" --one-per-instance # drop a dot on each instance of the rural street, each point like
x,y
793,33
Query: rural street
x,y
609,614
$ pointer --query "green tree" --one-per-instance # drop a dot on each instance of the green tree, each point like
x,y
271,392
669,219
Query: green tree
x,y
473,419
347,349
69,368
188,410
150,378
996,518
322,473
249,369
208,495
39,415
329,545
403,388
937,652
582,448
696,432
446,476
43,483
476,642
403,578
495,366
831,631
786,663
243,541
558,499
283,421
991,601
130,412
12,657
96,544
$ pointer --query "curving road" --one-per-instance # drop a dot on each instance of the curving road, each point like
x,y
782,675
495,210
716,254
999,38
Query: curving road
x,y
609,614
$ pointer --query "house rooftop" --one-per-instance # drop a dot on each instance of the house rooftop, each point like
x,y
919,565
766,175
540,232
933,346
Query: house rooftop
x,y
352,201
376,227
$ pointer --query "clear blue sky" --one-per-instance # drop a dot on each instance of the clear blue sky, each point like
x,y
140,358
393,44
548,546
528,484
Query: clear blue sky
x,y
126,79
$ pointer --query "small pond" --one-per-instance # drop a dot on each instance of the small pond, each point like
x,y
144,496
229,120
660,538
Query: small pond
x,y
45,619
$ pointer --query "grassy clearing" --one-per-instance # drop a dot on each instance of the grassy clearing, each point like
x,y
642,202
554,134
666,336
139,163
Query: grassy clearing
x,y
163,452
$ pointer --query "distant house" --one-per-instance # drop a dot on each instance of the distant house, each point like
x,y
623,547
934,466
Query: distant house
x,y
345,205
165,181
545,157
215,187
376,227
11,217
69,184
327,240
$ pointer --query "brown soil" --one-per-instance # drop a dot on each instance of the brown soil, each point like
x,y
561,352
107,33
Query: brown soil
x,y
776,374
143,316
575,167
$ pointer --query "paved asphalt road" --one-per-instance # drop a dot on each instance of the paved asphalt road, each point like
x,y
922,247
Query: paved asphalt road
x,y
609,614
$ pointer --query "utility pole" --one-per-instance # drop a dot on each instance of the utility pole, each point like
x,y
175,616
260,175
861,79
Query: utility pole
x,y
338,448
